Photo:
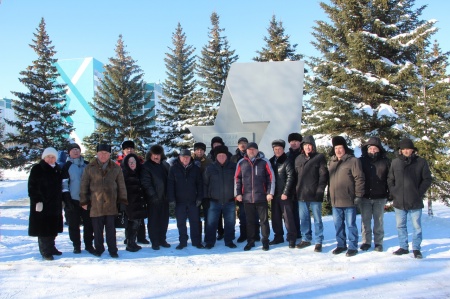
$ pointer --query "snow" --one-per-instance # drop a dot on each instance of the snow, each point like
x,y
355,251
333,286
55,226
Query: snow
x,y
220,272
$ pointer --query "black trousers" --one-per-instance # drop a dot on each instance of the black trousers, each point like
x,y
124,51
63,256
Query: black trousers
x,y
46,245
255,211
158,222
243,221
283,209
184,211
100,224
74,217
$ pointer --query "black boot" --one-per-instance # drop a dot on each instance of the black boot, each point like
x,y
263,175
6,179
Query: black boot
x,y
131,241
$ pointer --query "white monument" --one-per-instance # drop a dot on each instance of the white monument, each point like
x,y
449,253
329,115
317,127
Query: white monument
x,y
261,101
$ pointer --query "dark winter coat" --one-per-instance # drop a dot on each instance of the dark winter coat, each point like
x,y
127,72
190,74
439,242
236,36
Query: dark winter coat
x,y
376,170
312,174
202,162
346,181
45,185
237,156
154,181
254,180
185,184
103,189
218,182
283,169
408,180
137,205
72,172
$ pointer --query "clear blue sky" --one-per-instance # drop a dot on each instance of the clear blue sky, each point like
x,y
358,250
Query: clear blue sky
x,y
90,28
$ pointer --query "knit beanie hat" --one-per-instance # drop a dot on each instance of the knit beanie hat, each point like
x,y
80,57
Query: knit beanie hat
x,y
242,139
217,139
72,146
49,151
252,145
406,143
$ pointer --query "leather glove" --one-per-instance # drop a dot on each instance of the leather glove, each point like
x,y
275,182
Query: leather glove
x,y
39,206
319,197
198,203
358,201
172,205
67,199
122,207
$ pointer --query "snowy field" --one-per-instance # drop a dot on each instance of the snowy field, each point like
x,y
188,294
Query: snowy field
x,y
220,272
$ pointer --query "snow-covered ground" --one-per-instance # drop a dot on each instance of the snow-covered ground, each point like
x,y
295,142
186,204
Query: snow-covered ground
x,y
220,272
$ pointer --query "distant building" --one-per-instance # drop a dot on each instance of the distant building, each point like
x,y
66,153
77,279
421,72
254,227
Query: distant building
x,y
7,112
82,76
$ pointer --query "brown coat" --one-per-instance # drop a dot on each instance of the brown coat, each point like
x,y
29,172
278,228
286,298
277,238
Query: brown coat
x,y
103,190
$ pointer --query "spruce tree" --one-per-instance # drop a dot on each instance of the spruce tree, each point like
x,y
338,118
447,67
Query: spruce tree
x,y
278,46
213,66
426,116
118,104
178,94
41,112
366,48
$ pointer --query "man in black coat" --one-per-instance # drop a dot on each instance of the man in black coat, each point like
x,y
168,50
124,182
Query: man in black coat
x,y
295,149
154,182
282,203
185,191
408,179
218,181
375,165
312,178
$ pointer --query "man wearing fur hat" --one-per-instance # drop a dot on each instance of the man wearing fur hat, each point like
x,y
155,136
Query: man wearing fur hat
x,y
218,181
282,203
154,182
408,179
202,161
103,188
255,186
185,190
376,167
346,187
72,172
295,149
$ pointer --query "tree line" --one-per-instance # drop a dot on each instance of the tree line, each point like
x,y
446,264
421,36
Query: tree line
x,y
378,73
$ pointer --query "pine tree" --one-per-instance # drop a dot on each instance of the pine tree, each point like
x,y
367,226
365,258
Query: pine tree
x,y
365,51
213,66
278,47
118,104
178,94
41,112
426,116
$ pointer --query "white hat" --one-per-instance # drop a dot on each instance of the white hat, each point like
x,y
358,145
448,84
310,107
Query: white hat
x,y
49,151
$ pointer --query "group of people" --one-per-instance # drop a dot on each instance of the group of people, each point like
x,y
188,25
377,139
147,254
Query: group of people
x,y
294,182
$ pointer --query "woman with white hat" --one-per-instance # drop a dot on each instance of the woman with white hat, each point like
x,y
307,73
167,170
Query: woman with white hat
x,y
45,191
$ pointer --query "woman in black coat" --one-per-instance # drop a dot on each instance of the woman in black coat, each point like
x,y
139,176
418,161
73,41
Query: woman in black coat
x,y
136,209
45,192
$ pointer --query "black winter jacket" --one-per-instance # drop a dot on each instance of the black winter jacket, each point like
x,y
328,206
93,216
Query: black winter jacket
x,y
237,156
218,182
185,184
312,176
137,206
408,180
154,181
283,169
45,185
254,180
376,170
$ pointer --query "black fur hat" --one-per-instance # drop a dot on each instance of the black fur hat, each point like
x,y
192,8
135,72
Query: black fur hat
x,y
221,149
279,142
127,144
295,136
199,145
218,140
